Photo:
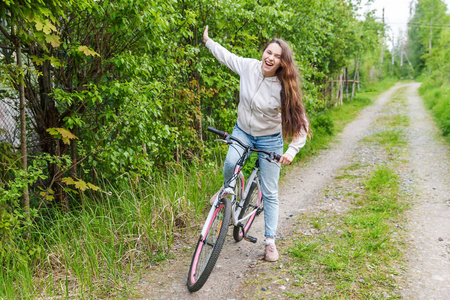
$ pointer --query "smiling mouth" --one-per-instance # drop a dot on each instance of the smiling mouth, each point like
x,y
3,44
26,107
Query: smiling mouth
x,y
269,64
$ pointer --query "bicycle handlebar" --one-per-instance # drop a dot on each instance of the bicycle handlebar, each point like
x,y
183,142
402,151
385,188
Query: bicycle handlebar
x,y
221,133
226,136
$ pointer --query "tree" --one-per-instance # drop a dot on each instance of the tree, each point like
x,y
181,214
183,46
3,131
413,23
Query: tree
x,y
70,50
424,30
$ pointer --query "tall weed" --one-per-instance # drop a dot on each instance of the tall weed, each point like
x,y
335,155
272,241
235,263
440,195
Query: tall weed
x,y
96,250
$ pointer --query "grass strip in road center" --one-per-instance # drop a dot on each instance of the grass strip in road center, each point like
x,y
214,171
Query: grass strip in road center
x,y
352,254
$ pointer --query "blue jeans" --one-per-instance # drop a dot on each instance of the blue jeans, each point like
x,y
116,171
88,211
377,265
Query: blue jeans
x,y
269,172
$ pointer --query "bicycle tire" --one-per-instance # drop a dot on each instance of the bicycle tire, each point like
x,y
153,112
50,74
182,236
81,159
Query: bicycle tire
x,y
205,258
252,202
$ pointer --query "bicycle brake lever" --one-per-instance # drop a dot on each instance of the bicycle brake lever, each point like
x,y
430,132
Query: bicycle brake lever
x,y
274,158
226,139
228,142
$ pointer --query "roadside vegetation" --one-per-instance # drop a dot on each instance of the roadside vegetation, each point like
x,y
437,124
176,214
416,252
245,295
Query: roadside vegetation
x,y
437,99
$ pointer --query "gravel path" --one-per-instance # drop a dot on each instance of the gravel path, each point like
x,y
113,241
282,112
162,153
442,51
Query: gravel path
x,y
428,270
428,265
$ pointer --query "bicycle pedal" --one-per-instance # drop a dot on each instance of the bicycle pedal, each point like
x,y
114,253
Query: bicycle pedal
x,y
259,211
250,239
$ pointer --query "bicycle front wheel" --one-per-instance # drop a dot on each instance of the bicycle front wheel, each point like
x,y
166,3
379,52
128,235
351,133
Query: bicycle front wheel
x,y
252,203
209,247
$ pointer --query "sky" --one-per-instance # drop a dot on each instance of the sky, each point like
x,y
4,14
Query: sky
x,y
396,14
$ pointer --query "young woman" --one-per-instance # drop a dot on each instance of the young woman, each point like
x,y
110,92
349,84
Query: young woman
x,y
270,108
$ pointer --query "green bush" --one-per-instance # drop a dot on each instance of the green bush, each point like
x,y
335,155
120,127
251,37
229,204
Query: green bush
x,y
322,123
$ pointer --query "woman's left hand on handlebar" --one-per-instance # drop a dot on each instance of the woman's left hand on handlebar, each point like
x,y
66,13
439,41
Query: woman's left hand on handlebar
x,y
286,159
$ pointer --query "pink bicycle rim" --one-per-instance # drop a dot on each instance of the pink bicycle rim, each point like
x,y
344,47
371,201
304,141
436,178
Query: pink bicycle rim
x,y
200,246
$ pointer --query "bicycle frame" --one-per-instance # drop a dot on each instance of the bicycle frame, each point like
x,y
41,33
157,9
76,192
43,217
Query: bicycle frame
x,y
230,186
242,191
237,207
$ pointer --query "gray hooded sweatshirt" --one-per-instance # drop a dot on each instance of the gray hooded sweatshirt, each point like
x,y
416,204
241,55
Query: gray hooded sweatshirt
x,y
259,97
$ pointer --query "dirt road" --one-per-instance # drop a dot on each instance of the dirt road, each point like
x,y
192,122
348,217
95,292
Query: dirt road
x,y
427,274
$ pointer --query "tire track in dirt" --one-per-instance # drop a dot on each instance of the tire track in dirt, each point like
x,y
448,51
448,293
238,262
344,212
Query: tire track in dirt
x,y
428,259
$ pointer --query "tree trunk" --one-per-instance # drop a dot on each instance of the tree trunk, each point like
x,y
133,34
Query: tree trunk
x,y
346,83
338,85
73,155
23,130
48,143
332,89
357,78
198,123
341,88
354,77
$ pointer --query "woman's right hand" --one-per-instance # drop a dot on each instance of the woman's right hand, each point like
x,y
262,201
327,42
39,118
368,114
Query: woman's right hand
x,y
205,35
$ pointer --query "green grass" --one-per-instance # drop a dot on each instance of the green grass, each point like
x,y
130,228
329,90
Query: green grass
x,y
396,120
437,99
390,139
354,252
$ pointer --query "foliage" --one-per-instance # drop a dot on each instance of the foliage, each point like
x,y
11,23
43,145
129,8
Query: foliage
x,y
110,78
15,249
9,159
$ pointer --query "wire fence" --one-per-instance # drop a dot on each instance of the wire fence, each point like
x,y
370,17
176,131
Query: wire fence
x,y
10,126
9,122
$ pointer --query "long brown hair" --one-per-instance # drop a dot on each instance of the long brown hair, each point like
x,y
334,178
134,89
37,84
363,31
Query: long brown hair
x,y
293,114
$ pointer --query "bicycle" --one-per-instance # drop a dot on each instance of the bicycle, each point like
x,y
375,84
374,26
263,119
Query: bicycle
x,y
239,208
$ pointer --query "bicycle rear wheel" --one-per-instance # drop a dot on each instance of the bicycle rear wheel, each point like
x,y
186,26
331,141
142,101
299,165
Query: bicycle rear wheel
x,y
209,247
252,203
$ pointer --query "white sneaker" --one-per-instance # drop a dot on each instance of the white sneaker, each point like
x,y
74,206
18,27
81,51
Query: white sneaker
x,y
271,252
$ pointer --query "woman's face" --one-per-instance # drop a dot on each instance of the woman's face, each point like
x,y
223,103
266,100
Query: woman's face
x,y
271,59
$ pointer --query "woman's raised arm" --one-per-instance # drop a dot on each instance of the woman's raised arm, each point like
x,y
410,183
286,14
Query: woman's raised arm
x,y
205,35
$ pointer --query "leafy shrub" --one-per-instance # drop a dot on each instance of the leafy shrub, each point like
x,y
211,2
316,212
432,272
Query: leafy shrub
x,y
322,123
9,159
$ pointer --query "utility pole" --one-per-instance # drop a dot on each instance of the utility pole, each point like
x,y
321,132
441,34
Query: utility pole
x,y
393,46
393,52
